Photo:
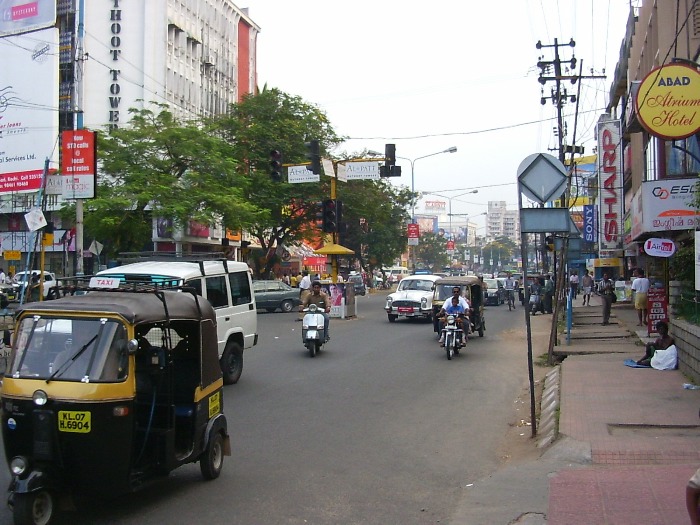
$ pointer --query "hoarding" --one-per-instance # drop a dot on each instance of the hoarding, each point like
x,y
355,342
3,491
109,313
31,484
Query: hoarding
x,y
610,191
28,108
22,16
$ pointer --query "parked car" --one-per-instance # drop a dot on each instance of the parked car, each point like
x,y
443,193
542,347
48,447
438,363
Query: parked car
x,y
495,292
358,283
271,295
413,298
22,278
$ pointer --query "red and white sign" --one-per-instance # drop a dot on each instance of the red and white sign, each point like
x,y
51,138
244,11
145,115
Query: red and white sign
x,y
413,231
610,185
450,245
659,247
658,308
78,164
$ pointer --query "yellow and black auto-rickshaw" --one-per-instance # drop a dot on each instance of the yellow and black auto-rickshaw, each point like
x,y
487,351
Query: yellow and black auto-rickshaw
x,y
472,288
106,391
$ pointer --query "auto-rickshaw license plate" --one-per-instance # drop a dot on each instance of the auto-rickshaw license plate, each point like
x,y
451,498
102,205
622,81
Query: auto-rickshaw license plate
x,y
74,421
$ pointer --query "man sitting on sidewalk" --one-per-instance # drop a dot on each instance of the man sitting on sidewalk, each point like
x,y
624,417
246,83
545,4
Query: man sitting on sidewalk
x,y
661,343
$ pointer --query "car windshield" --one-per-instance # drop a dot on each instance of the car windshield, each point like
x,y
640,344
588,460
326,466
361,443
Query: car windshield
x,y
85,350
415,284
491,283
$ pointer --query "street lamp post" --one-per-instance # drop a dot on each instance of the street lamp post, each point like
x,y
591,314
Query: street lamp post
x,y
452,149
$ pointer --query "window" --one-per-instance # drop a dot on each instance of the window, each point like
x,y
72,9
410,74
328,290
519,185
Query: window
x,y
240,288
682,157
216,291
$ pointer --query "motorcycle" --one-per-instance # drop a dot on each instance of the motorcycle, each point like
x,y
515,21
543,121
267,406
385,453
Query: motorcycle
x,y
313,330
454,337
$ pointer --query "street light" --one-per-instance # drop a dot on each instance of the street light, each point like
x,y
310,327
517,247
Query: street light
x,y
452,149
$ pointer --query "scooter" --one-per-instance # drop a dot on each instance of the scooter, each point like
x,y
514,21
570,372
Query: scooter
x,y
454,337
313,329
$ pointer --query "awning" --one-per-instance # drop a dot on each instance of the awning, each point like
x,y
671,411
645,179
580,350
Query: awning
x,y
334,249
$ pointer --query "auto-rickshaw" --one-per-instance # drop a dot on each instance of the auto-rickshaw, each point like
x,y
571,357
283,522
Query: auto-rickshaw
x,y
472,288
107,391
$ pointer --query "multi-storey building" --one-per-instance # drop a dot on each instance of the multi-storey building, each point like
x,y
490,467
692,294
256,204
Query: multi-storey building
x,y
658,176
196,56
502,222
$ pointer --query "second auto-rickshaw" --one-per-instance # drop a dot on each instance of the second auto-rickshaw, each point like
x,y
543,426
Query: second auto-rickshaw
x,y
472,288
107,391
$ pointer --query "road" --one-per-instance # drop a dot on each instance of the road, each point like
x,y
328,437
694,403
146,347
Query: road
x,y
379,428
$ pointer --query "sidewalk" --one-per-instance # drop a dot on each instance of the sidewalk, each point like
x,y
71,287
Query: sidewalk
x,y
639,428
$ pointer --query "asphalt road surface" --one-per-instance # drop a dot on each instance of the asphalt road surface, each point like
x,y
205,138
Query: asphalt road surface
x,y
378,428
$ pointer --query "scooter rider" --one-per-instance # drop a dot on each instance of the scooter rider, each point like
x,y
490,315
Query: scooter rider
x,y
323,301
454,308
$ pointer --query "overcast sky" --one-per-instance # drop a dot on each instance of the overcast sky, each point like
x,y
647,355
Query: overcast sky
x,y
431,75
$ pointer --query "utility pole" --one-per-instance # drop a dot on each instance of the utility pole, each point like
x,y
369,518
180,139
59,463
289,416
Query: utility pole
x,y
559,97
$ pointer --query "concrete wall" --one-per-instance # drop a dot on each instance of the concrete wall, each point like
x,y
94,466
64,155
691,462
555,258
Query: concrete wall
x,y
687,338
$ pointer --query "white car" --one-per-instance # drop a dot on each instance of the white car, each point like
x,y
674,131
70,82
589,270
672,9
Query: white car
x,y
412,298
20,279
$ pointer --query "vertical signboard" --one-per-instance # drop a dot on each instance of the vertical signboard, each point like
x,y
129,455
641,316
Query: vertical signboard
x,y
589,233
28,108
78,164
658,307
610,187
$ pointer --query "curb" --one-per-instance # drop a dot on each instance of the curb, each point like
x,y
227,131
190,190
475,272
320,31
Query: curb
x,y
549,408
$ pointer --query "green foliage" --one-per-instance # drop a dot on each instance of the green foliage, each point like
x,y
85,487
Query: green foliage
x,y
432,251
681,266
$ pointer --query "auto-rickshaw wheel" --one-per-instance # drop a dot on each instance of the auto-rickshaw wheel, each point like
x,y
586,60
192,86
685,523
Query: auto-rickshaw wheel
x,y
232,363
34,508
212,459
481,328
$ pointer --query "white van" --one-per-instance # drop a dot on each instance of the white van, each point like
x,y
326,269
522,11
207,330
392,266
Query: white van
x,y
228,287
396,273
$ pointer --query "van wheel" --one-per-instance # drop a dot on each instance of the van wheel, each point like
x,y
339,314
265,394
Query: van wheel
x,y
35,508
232,363
212,459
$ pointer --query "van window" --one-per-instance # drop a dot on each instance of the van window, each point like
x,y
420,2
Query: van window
x,y
196,284
240,288
216,291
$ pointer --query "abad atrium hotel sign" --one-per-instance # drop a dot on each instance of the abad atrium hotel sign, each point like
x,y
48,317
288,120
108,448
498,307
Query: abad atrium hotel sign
x,y
668,102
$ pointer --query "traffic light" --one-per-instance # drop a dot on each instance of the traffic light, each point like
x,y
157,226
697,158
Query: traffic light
x,y
276,165
329,219
389,154
390,169
319,214
313,153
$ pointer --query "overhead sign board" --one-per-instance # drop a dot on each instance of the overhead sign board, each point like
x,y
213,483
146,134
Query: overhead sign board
x,y
362,170
22,16
668,102
299,174
610,191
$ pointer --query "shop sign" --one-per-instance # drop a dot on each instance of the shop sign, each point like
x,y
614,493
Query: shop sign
x,y
668,102
658,307
659,247
610,184
669,205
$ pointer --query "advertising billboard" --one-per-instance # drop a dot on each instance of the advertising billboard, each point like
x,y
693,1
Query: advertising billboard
x,y
669,205
28,108
610,186
21,16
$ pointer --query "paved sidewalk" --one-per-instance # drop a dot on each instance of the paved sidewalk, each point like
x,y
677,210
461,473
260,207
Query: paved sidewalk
x,y
640,426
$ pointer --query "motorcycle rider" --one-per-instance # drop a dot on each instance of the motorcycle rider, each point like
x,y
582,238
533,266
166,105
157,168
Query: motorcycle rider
x,y
456,292
510,285
323,301
454,308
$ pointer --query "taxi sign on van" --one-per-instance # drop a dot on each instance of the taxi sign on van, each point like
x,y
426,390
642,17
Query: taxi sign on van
x,y
104,282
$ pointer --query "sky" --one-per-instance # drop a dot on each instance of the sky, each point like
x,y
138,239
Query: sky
x,y
428,76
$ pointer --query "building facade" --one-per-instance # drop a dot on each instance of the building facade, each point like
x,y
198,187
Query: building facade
x,y
502,222
659,175
195,56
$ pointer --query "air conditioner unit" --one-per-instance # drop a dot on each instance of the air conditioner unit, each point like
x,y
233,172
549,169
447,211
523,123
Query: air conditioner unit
x,y
209,60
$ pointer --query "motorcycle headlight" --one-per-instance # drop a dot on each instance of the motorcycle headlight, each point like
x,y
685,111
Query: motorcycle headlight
x,y
313,308
18,465
450,319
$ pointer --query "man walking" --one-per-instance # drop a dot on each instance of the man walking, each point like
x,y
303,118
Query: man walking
x,y
607,289
304,286
587,284
640,286
548,294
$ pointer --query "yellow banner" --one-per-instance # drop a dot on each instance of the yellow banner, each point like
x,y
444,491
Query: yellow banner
x,y
12,255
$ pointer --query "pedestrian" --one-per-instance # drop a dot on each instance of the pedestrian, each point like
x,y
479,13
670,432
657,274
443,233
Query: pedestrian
x,y
3,277
573,283
587,285
606,289
285,278
640,286
548,294
663,342
304,285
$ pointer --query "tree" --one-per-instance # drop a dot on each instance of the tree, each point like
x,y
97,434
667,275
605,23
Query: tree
x,y
376,215
432,250
260,123
156,166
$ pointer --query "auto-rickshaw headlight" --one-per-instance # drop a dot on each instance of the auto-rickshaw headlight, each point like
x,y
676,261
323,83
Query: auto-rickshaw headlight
x,y
40,398
132,346
18,465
